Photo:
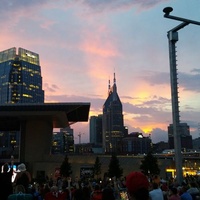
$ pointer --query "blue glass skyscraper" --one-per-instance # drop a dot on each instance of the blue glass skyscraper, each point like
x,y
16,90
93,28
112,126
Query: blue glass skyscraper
x,y
20,82
20,77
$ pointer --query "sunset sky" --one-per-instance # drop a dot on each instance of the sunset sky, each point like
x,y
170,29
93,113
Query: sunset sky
x,y
81,44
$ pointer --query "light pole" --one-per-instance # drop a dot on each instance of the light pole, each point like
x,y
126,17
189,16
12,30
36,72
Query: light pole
x,y
173,38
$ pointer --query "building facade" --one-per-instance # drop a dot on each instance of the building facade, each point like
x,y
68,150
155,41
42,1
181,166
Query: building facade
x,y
20,77
9,144
186,138
96,130
112,121
63,141
196,144
135,143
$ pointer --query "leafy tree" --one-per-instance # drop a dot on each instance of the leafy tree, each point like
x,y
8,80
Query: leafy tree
x,y
114,167
97,167
65,168
150,165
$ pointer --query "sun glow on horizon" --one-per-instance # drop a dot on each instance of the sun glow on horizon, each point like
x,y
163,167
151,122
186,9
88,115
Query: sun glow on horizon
x,y
147,130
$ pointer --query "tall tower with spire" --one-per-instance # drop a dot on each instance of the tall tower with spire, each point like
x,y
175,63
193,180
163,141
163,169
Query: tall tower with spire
x,y
112,121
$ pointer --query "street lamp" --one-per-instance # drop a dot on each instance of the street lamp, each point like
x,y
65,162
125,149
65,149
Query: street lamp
x,y
173,38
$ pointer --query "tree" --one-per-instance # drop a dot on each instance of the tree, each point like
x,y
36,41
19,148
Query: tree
x,y
65,168
114,167
97,167
150,165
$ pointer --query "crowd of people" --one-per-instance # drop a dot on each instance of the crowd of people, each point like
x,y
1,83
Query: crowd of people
x,y
8,186
135,186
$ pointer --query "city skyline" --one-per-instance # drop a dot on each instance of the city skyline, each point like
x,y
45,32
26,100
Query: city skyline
x,y
81,44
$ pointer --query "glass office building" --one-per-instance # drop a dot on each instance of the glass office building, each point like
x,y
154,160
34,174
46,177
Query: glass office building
x,y
20,77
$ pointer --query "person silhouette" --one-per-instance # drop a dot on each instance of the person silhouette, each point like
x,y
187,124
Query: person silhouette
x,y
23,177
6,181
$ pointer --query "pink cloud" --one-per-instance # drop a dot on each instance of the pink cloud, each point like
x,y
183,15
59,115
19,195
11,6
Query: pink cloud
x,y
98,42
47,24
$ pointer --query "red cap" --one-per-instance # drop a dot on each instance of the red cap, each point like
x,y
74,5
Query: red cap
x,y
135,181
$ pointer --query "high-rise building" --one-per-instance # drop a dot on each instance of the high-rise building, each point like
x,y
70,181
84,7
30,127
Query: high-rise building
x,y
96,130
184,131
63,141
113,122
20,77
20,82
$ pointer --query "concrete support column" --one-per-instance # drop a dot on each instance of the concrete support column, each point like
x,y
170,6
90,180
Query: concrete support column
x,y
36,139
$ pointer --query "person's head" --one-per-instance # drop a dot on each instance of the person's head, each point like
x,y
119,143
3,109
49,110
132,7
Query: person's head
x,y
184,188
155,185
174,190
193,184
96,187
108,194
19,189
156,179
137,186
54,189
22,167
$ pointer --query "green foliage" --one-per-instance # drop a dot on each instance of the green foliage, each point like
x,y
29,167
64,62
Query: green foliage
x,y
65,168
97,167
150,165
114,169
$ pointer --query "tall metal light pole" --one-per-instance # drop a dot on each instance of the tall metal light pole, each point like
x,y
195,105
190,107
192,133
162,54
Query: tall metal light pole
x,y
173,38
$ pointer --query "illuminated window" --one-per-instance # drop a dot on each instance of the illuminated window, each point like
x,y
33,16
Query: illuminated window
x,y
27,95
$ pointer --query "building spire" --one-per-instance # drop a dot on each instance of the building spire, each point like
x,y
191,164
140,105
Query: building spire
x,y
108,86
114,80
114,88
